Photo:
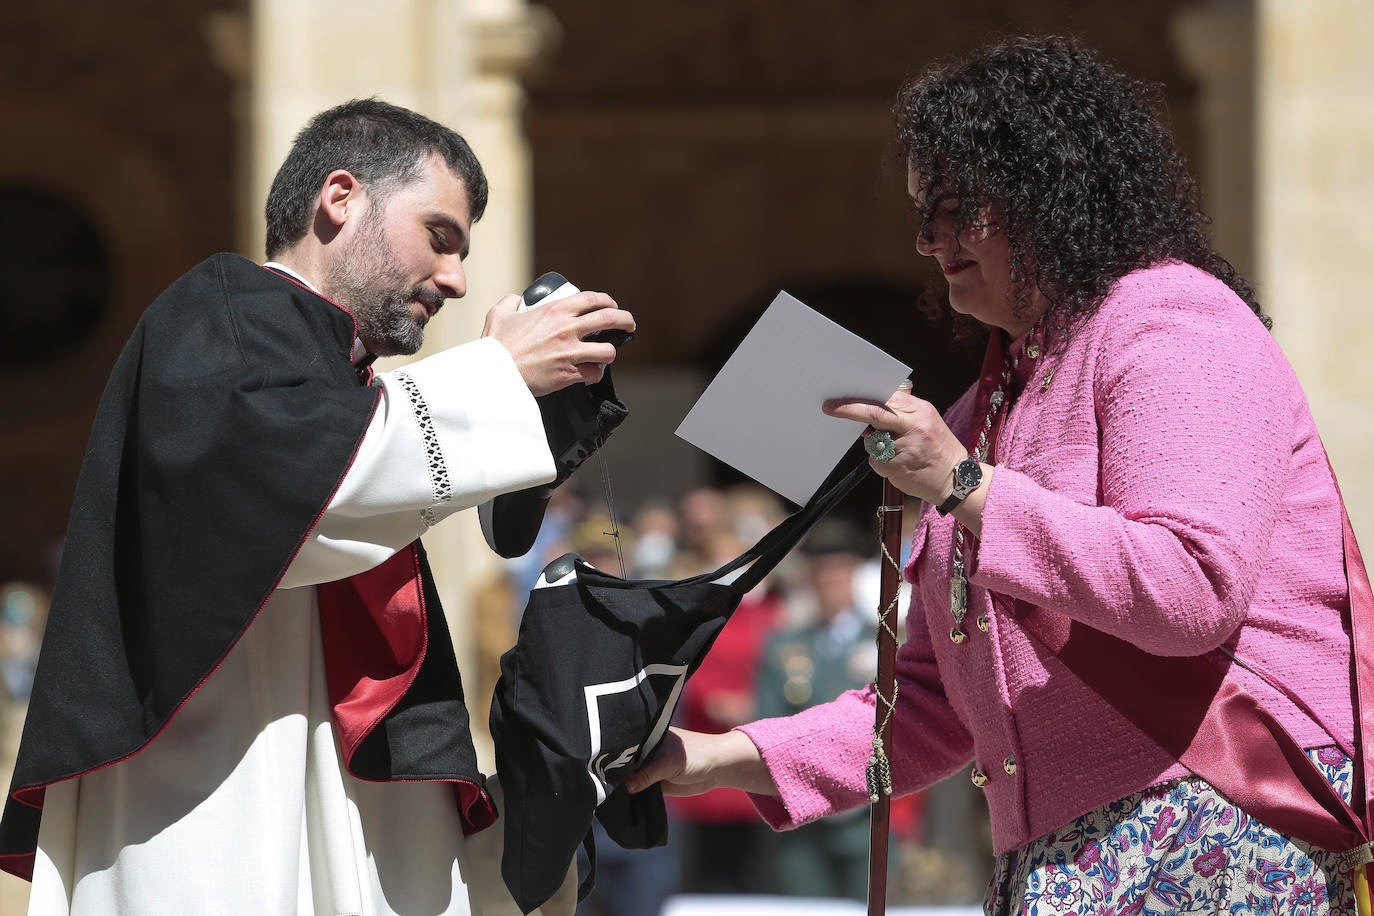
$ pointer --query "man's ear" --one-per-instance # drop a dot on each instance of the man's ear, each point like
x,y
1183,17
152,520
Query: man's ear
x,y
340,194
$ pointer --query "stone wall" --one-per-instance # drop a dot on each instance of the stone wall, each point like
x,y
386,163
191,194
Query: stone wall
x,y
1315,232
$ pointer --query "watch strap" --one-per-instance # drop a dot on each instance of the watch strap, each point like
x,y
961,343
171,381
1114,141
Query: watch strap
x,y
960,493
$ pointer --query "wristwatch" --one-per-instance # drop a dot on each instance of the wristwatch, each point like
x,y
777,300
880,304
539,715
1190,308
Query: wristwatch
x,y
968,475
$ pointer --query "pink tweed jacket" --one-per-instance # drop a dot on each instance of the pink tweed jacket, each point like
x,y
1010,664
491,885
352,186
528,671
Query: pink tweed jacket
x,y
1160,479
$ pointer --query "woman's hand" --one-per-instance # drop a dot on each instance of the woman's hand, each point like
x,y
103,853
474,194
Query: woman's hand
x,y
690,763
927,450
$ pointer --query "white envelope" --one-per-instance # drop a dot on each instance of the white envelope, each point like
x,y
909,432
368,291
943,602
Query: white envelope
x,y
762,413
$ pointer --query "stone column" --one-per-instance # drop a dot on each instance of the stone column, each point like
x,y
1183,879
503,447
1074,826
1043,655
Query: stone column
x,y
1216,43
487,103
459,63
1315,241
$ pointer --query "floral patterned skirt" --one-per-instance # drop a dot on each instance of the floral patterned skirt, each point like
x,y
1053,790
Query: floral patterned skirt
x,y
1180,847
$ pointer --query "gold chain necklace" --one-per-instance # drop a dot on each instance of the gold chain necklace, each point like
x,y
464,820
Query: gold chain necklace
x,y
958,583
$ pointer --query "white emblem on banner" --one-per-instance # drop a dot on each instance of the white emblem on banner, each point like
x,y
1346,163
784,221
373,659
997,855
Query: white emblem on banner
x,y
600,763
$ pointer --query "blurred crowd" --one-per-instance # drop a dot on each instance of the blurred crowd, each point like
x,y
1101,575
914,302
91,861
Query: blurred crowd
x,y
802,637
23,611
23,614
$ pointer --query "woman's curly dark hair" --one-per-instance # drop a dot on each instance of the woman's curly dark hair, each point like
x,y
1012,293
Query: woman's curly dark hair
x,y
1079,171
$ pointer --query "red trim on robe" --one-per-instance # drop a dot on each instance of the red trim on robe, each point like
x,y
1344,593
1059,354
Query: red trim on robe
x,y
314,292
365,373
20,864
373,627
375,635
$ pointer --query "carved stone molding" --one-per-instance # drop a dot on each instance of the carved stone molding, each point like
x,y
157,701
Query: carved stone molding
x,y
515,43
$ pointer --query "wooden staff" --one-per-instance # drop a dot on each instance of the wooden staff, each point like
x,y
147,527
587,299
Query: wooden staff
x,y
879,772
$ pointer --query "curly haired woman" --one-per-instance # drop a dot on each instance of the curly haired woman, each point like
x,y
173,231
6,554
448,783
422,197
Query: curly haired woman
x,y
1139,459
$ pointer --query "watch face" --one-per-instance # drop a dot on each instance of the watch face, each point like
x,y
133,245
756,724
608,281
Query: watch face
x,y
968,474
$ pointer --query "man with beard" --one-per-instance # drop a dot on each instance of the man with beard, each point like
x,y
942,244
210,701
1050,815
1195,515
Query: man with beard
x,y
247,700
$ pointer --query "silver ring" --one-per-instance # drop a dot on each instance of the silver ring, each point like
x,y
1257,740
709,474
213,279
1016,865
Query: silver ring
x,y
880,446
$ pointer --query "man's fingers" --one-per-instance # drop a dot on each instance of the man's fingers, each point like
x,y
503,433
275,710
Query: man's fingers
x,y
582,303
601,353
590,373
548,341
603,320
507,305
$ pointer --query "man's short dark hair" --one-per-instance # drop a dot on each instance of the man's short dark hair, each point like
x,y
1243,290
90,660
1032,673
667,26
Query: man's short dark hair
x,y
382,145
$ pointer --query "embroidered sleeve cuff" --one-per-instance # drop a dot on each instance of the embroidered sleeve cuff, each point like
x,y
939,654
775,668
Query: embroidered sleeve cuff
x,y
450,432
480,427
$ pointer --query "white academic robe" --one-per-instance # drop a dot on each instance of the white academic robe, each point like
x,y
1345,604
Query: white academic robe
x,y
242,804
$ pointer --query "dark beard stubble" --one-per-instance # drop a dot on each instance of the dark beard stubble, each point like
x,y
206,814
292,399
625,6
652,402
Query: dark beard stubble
x,y
368,284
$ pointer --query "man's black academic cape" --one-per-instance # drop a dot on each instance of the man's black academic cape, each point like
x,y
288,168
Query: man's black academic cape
x,y
226,427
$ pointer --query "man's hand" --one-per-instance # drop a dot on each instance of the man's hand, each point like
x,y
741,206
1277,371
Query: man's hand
x,y
547,342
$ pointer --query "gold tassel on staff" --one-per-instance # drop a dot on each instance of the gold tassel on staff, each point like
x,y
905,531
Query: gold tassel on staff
x,y
885,687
